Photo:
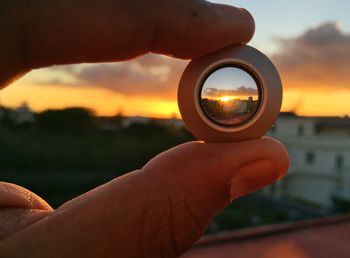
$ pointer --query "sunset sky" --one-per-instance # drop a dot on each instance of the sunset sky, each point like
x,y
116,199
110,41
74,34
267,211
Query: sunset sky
x,y
229,83
309,41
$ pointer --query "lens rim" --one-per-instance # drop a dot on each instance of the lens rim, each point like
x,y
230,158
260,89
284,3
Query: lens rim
x,y
239,66
189,91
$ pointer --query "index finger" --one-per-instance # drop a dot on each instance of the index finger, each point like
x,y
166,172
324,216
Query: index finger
x,y
76,31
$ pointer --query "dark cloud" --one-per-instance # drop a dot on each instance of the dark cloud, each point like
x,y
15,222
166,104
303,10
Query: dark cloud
x,y
241,91
150,75
318,58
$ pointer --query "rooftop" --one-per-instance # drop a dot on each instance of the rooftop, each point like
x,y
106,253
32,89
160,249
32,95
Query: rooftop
x,y
327,237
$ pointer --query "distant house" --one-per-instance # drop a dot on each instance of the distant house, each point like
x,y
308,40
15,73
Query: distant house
x,y
173,122
109,123
115,123
319,149
22,114
127,121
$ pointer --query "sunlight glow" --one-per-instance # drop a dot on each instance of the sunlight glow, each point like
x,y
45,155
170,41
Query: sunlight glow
x,y
226,98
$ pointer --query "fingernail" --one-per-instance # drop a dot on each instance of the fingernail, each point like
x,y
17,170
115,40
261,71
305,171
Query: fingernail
x,y
234,11
241,18
252,177
227,9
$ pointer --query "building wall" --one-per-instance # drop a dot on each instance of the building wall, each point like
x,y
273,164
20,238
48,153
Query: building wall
x,y
320,162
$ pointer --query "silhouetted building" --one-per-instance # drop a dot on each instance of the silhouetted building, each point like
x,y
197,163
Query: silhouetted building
x,y
319,150
127,121
22,114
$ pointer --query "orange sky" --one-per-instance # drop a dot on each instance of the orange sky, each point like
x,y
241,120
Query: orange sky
x,y
312,54
311,102
103,101
313,67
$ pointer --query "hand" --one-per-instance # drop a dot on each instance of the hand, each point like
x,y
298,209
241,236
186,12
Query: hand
x,y
39,33
163,208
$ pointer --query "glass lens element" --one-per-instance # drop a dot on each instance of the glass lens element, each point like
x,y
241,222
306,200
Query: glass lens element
x,y
230,96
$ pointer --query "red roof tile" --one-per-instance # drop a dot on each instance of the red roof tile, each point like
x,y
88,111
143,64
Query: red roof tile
x,y
318,238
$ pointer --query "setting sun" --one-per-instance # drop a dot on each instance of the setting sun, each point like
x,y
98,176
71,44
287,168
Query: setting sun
x,y
225,98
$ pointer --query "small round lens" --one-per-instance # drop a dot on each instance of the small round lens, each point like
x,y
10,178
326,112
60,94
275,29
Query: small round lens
x,y
230,96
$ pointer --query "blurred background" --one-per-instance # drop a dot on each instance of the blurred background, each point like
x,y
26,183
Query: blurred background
x,y
67,129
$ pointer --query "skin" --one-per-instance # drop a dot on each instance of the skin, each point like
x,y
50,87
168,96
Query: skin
x,y
162,209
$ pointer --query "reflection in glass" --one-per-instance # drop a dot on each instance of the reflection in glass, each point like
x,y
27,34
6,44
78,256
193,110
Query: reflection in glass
x,y
230,96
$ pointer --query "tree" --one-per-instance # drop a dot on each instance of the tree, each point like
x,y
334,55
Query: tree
x,y
69,120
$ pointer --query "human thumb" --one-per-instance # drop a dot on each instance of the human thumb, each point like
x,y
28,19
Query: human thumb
x,y
158,211
202,178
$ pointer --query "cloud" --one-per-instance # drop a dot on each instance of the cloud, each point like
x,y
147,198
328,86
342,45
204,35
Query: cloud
x,y
318,58
241,91
150,75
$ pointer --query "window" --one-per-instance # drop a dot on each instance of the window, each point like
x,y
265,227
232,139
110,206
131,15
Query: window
x,y
310,157
301,130
339,162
